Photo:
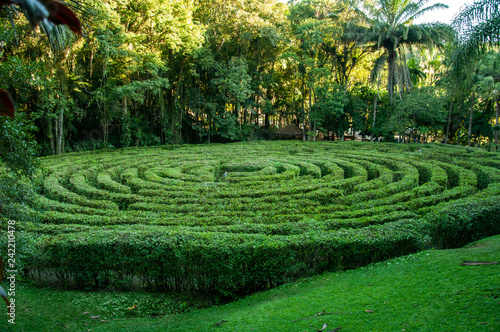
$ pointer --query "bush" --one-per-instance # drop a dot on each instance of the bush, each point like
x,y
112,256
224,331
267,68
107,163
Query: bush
x,y
464,221
174,218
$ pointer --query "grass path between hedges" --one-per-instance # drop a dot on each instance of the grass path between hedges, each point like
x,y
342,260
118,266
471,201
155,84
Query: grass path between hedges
x,y
428,291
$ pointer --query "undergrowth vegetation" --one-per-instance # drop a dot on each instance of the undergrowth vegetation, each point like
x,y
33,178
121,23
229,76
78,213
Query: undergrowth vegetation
x,y
234,219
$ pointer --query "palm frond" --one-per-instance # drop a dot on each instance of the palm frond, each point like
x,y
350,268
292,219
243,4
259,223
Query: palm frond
x,y
475,41
49,13
59,37
480,10
426,10
11,20
378,66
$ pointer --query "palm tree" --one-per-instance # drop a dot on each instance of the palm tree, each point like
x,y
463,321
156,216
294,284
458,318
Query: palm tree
x,y
478,26
488,84
478,29
393,32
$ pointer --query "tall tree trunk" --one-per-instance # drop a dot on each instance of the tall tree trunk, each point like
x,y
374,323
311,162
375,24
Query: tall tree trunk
x,y
448,123
105,130
314,130
245,116
62,75
50,134
125,109
303,111
400,78
59,131
126,134
470,121
392,67
309,111
257,116
497,111
375,100
163,122
209,128
409,83
175,101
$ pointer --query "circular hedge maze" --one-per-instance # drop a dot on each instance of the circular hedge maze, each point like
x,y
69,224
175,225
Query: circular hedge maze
x,y
238,218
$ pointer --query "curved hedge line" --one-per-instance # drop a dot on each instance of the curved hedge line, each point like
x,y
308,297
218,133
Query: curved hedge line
x,y
238,218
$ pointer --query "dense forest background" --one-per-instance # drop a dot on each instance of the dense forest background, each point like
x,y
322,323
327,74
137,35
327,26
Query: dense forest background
x,y
181,71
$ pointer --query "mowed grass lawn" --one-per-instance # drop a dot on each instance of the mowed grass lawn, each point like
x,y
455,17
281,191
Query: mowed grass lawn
x,y
428,291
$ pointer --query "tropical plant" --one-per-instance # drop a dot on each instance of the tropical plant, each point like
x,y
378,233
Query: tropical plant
x,y
347,48
488,84
393,32
477,27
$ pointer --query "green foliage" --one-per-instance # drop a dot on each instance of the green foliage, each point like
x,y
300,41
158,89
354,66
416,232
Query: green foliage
x,y
376,296
18,161
237,218
477,26
17,147
233,81
193,72
329,110
465,221
421,109
241,263
392,29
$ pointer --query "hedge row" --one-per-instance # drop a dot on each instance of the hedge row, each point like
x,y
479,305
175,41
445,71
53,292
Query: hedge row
x,y
464,221
242,217
216,262
232,263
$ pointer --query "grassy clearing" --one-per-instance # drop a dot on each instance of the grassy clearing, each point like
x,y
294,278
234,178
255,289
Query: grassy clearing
x,y
428,291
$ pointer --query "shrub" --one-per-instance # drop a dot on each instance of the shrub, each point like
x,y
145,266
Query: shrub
x,y
175,219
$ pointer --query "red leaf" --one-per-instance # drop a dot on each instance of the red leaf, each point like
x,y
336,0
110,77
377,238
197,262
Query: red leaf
x,y
59,13
63,15
6,104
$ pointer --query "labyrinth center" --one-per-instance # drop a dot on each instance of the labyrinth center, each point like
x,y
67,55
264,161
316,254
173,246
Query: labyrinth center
x,y
242,217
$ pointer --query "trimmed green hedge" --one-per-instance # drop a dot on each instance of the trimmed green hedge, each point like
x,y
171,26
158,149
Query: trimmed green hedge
x,y
464,221
221,262
237,218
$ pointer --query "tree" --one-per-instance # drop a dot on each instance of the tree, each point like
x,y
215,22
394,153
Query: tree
x,y
347,47
243,39
488,84
18,151
49,15
478,30
310,29
477,27
392,31
328,111
422,111
17,145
